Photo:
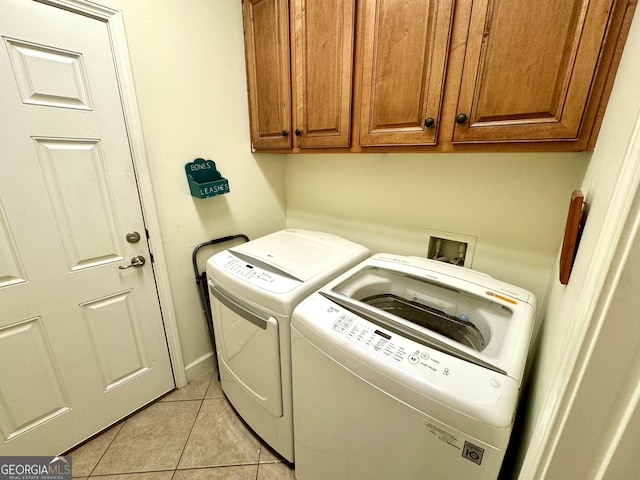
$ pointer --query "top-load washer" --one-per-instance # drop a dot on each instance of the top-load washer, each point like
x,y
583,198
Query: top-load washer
x,y
254,288
408,368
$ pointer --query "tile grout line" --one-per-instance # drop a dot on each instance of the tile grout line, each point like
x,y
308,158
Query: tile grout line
x,y
175,470
195,419
109,445
123,421
256,464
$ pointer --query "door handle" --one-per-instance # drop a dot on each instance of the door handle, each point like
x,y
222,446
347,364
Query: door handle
x,y
136,261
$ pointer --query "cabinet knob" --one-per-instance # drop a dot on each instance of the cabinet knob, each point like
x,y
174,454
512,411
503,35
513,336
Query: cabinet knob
x,y
298,132
285,133
461,118
429,122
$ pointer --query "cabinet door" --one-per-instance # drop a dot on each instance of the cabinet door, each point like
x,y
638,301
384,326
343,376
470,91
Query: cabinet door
x,y
528,69
266,31
323,31
404,59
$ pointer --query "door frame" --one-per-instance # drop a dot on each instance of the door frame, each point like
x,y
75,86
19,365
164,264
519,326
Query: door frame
x,y
112,17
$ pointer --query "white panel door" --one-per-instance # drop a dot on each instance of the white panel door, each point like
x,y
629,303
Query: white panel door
x,y
82,342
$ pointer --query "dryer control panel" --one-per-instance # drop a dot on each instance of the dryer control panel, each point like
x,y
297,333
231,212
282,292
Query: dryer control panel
x,y
254,274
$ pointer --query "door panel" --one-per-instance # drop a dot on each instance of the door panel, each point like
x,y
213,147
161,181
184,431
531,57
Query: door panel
x,y
115,333
47,76
77,182
11,269
82,342
25,404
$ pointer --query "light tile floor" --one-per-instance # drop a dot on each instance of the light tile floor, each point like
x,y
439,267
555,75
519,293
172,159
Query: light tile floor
x,y
189,434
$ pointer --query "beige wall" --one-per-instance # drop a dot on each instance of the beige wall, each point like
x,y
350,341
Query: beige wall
x,y
514,204
188,66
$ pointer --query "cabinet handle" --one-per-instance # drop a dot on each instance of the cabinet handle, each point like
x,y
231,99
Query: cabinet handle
x,y
429,122
461,118
285,133
298,132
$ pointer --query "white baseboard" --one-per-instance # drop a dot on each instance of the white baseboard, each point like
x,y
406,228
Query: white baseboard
x,y
200,365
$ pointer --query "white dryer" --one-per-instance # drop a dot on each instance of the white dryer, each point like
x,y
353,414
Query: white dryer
x,y
254,288
408,368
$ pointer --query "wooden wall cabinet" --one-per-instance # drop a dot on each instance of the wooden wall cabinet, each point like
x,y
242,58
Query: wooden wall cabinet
x,y
268,59
529,68
299,72
431,75
323,31
403,63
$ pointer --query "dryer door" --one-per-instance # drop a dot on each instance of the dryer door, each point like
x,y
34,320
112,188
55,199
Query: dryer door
x,y
248,347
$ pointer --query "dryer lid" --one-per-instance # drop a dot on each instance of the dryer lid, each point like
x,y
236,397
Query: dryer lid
x,y
302,254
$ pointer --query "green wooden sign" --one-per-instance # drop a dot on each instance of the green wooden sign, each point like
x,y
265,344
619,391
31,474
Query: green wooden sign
x,y
204,179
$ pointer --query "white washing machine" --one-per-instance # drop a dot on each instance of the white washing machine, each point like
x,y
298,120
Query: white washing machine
x,y
254,288
407,368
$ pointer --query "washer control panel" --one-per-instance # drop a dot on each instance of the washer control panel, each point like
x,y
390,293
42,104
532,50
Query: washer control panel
x,y
255,275
401,351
